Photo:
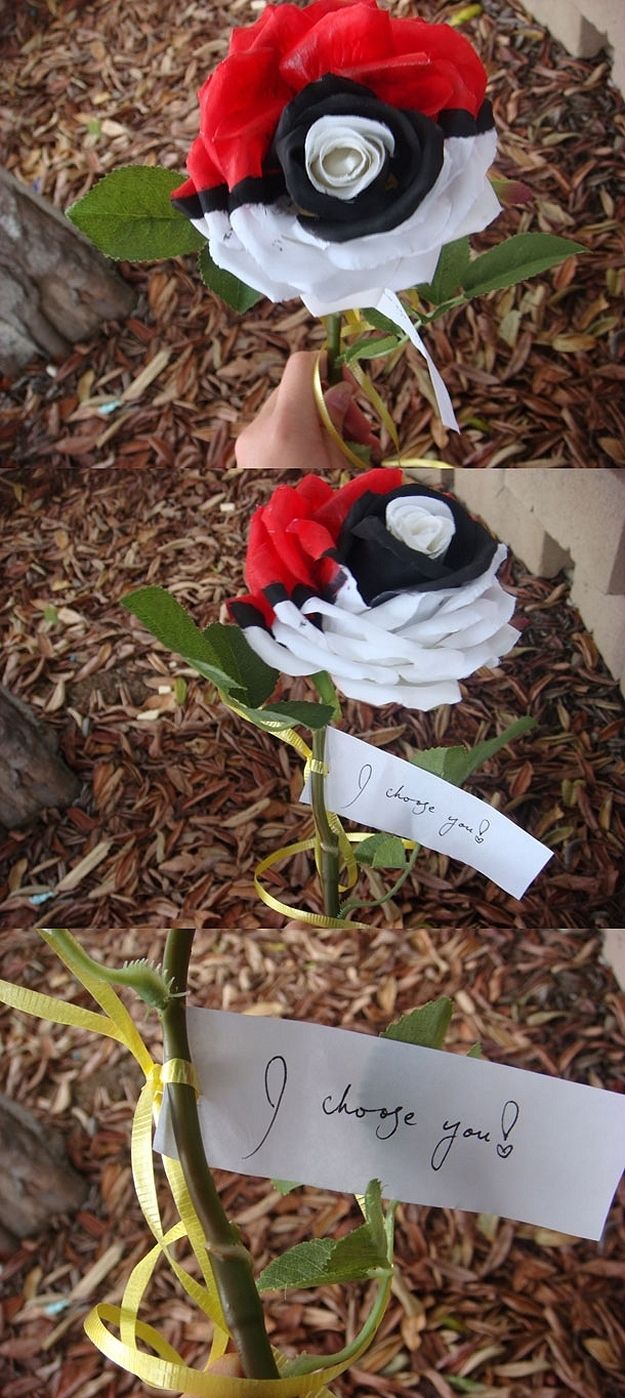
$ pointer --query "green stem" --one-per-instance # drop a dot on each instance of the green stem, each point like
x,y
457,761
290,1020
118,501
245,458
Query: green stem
x,y
228,1257
328,841
308,1363
353,903
333,346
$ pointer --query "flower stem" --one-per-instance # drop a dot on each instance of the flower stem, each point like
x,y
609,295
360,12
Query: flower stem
x,y
353,903
228,1257
333,338
328,841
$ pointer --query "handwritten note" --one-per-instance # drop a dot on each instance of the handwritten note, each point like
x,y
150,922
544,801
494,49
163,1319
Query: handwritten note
x,y
333,1108
376,789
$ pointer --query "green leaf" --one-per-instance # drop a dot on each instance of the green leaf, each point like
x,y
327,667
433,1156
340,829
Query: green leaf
x,y
426,1026
326,689
372,349
129,214
518,258
379,321
302,1265
382,852
450,269
323,1261
220,653
50,612
235,293
475,1051
285,1186
456,764
288,713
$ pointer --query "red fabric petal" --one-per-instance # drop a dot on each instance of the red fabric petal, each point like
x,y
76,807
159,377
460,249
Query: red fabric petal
x,y
279,26
264,564
315,491
240,108
409,82
280,518
444,45
381,480
354,35
314,538
184,191
204,171
259,602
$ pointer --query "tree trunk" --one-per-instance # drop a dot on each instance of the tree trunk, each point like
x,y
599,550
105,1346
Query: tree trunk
x,y
32,776
36,1178
55,288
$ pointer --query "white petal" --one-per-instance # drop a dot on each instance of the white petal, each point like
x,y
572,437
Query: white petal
x,y
422,697
269,249
426,525
344,154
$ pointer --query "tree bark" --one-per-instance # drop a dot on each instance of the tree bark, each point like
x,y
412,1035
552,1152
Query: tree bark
x,y
32,775
37,1180
55,288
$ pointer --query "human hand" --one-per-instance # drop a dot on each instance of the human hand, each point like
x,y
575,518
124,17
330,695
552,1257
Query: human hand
x,y
288,434
228,1364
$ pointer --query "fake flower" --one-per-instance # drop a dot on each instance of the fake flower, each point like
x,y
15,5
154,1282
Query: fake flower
x,y
391,588
339,150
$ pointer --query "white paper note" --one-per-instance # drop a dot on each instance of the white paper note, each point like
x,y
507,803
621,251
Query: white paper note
x,y
376,789
390,305
335,1109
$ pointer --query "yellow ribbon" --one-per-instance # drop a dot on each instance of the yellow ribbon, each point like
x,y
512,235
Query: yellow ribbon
x,y
294,740
356,323
164,1368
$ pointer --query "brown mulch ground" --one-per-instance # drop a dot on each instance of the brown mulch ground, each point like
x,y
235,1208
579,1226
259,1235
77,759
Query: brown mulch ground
x,y
480,1305
535,373
181,799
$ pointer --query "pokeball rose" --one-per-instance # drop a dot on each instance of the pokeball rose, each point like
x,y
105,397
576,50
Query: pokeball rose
x,y
339,150
391,588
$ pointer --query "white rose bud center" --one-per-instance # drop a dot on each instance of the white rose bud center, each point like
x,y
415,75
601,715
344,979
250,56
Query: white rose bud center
x,y
426,526
345,154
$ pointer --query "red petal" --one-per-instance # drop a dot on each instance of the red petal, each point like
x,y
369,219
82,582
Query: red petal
x,y
240,109
186,190
315,491
281,516
315,538
278,27
348,37
408,81
264,565
258,601
381,481
204,172
444,45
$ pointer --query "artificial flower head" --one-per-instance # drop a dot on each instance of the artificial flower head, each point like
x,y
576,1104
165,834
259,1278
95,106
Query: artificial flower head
x,y
340,149
390,588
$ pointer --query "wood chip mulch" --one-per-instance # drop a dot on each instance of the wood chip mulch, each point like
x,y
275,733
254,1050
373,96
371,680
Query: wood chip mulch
x,y
535,373
480,1304
181,798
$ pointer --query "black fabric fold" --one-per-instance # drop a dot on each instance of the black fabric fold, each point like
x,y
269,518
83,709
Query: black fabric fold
x,y
383,566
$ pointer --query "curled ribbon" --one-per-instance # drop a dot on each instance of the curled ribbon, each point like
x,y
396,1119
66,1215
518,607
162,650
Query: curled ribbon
x,y
164,1368
355,322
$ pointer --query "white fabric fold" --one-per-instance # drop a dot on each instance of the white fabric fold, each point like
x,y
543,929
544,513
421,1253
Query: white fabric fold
x,y
412,649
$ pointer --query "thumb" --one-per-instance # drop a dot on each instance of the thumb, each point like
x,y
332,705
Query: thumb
x,y
337,399
228,1364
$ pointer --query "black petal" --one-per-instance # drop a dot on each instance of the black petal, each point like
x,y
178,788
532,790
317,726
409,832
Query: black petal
x,y
404,180
383,565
